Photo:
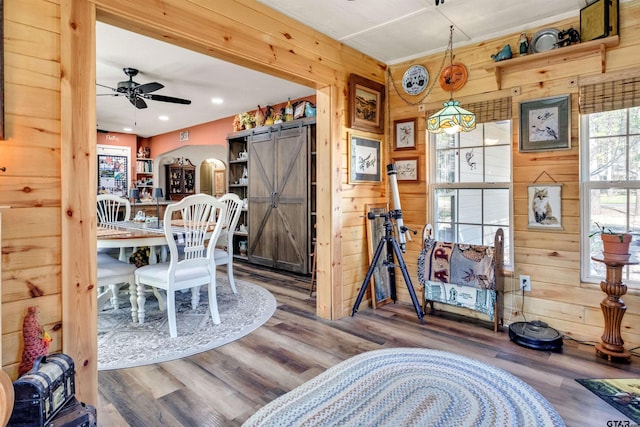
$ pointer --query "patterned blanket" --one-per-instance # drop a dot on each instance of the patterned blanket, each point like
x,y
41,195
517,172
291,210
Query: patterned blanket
x,y
458,274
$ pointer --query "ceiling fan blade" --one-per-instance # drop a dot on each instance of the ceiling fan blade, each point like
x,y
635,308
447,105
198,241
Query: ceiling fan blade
x,y
106,87
138,102
149,87
167,99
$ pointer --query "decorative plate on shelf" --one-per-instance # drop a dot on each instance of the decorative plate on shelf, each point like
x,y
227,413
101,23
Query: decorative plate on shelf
x,y
544,40
415,79
453,77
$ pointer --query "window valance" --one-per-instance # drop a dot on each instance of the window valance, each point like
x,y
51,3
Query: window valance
x,y
609,95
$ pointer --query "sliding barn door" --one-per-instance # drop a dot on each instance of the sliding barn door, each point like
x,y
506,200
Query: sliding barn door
x,y
278,194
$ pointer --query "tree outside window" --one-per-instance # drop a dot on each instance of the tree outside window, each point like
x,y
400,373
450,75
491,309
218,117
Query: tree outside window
x,y
610,185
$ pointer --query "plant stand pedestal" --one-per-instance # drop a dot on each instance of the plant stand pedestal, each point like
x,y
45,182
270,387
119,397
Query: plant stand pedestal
x,y
613,309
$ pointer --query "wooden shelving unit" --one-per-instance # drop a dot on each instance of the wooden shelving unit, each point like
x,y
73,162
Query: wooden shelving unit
x,y
238,163
598,46
144,175
278,228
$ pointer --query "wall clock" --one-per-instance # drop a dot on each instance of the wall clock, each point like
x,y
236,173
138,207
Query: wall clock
x,y
415,79
453,77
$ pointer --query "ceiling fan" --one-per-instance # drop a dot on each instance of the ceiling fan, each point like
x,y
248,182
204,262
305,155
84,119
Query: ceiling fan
x,y
136,93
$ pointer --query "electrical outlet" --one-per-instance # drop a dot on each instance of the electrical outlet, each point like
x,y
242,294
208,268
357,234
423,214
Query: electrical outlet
x,y
525,283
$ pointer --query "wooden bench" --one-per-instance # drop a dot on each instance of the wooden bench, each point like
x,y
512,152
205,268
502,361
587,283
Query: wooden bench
x,y
463,275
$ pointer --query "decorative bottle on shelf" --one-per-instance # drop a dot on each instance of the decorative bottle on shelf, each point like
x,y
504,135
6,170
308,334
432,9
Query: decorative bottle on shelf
x,y
288,111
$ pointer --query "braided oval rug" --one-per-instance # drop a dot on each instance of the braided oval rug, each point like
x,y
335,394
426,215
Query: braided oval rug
x,y
410,387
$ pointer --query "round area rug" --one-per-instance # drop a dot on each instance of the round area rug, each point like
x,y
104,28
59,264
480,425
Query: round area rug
x,y
410,387
125,344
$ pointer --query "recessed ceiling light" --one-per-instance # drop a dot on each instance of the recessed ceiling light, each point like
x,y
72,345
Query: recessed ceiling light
x,y
163,118
217,101
127,129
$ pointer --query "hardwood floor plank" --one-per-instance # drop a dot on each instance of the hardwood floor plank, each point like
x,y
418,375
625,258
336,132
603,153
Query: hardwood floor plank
x,y
226,385
193,409
225,400
132,400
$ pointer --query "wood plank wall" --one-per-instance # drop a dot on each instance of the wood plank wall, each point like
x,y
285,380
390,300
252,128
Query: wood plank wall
x,y
551,259
31,185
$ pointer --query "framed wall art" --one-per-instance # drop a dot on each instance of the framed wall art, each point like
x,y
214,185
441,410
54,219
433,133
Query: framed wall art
x,y
545,206
405,134
599,19
364,160
545,124
380,281
366,104
407,169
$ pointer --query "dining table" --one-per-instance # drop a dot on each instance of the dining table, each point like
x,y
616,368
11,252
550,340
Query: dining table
x,y
135,234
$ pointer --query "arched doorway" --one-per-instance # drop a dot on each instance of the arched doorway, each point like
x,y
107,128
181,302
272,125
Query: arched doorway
x,y
213,177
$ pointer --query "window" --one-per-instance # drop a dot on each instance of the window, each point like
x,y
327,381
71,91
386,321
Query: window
x,y
610,185
471,176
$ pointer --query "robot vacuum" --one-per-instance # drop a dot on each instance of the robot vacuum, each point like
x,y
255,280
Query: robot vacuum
x,y
536,335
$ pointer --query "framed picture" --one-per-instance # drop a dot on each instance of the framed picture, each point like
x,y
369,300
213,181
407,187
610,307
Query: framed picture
x,y
405,134
184,135
366,104
599,19
407,169
545,206
545,124
380,281
298,110
364,160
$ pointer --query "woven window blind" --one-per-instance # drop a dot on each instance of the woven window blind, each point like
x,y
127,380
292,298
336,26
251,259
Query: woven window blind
x,y
487,111
611,95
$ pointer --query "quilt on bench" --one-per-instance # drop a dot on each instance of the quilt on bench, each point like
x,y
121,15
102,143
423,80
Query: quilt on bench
x,y
459,274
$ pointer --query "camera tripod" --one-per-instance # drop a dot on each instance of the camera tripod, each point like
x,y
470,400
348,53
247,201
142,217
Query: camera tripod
x,y
392,248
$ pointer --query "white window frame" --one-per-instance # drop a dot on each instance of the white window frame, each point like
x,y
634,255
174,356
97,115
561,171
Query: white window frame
x,y
434,186
585,205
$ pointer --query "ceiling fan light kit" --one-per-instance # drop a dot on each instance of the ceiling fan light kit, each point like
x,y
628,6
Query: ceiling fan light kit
x,y
136,93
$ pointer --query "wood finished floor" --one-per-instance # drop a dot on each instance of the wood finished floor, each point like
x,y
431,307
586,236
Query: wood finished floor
x,y
225,386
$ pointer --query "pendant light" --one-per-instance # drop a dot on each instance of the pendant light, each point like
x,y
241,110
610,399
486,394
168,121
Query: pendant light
x,y
452,118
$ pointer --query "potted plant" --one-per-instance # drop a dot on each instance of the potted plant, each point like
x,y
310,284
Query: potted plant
x,y
615,244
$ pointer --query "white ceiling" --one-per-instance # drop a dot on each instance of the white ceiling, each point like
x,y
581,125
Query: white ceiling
x,y
390,31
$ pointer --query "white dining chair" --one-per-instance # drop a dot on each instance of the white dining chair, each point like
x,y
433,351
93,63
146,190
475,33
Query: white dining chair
x,y
223,252
224,247
200,213
112,208
113,274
